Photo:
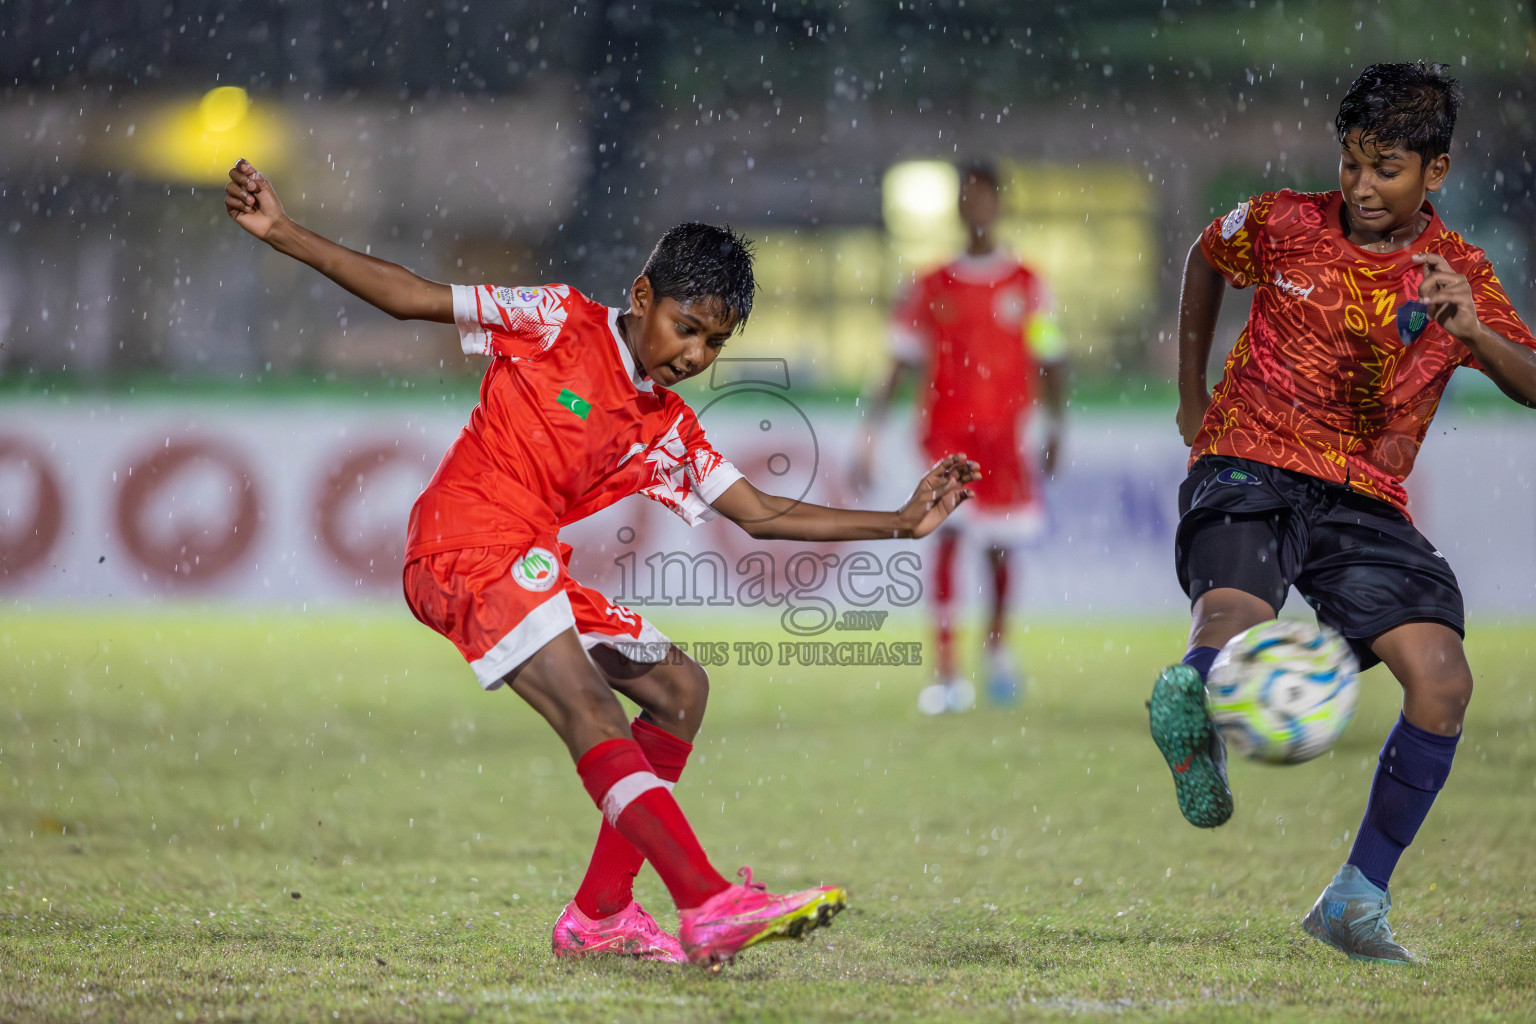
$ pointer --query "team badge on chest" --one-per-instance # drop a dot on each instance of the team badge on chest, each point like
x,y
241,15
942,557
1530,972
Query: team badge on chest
x,y
1412,318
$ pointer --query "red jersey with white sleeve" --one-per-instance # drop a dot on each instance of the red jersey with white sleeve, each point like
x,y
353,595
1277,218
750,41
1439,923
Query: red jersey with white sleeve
x,y
979,325
1340,368
566,425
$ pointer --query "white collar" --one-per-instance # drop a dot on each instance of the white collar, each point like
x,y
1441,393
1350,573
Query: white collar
x,y
640,381
987,268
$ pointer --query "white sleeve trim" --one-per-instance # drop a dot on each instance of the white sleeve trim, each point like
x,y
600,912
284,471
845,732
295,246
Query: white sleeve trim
x,y
907,346
696,508
714,485
474,339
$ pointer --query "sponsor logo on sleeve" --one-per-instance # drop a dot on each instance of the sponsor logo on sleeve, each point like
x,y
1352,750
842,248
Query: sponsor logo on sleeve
x,y
1233,221
1237,476
519,298
537,314
537,570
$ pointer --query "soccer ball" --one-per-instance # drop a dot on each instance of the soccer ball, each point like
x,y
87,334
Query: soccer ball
x,y
1283,691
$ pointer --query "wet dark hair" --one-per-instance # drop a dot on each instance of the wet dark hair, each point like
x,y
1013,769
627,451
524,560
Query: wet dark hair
x,y
1412,105
981,170
695,262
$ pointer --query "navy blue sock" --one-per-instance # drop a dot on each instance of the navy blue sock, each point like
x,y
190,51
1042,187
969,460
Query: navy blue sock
x,y
1200,658
1412,768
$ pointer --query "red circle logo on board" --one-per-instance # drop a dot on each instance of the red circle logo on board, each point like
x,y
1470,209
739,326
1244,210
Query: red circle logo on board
x,y
31,508
188,512
361,510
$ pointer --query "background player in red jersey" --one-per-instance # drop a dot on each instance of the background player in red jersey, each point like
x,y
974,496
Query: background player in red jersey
x,y
570,420
1364,304
979,329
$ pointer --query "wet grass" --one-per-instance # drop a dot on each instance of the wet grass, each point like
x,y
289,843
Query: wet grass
x,y
275,818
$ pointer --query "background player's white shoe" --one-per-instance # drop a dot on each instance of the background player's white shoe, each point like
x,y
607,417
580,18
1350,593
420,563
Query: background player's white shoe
x,y
951,695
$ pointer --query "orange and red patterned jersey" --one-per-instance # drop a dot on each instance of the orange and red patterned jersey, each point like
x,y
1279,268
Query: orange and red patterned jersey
x,y
1340,369
975,324
566,425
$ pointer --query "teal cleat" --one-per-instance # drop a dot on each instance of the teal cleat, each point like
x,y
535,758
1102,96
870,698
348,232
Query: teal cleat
x,y
1193,748
1351,916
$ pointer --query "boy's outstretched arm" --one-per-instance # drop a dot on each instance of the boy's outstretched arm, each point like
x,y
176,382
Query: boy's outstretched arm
x,y
1451,303
1054,387
1199,303
771,517
252,203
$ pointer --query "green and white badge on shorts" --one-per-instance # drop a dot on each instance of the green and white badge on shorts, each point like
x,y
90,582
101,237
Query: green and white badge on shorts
x,y
537,570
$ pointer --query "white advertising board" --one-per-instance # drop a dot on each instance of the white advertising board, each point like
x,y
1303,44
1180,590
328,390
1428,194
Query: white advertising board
x,y
299,503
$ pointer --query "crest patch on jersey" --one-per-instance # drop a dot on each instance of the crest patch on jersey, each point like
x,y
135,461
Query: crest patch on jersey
x,y
1009,306
1412,318
1233,222
537,570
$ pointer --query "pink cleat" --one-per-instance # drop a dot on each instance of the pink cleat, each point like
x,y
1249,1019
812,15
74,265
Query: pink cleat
x,y
744,915
630,932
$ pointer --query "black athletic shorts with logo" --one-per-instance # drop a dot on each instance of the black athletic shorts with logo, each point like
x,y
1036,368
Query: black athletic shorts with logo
x,y
1356,560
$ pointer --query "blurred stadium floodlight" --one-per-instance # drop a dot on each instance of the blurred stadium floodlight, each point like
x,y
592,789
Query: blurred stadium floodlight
x,y
1089,227
919,200
196,142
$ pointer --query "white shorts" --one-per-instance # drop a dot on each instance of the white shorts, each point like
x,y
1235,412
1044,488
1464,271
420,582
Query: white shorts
x,y
998,527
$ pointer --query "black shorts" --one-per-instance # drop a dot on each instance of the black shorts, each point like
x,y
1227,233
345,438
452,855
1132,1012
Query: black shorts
x,y
1356,560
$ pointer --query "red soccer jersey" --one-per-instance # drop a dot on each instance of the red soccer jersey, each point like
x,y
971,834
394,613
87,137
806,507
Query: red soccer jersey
x,y
966,322
1339,370
566,426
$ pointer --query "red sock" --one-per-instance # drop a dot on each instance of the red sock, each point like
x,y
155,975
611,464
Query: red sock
x,y
640,806
943,594
999,599
609,883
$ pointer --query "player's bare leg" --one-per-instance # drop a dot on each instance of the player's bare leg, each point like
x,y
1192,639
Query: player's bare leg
x,y
604,917
1428,660
564,685
1219,615
950,692
719,919
1181,726
1003,677
671,693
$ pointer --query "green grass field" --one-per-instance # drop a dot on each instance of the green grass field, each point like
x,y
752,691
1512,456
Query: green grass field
x,y
274,818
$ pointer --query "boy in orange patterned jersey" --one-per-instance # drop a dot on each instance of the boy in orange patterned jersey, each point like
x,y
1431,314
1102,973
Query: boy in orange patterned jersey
x,y
1364,305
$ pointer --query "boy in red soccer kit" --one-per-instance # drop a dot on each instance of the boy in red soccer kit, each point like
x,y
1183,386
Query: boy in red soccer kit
x,y
575,414
1364,305
980,329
